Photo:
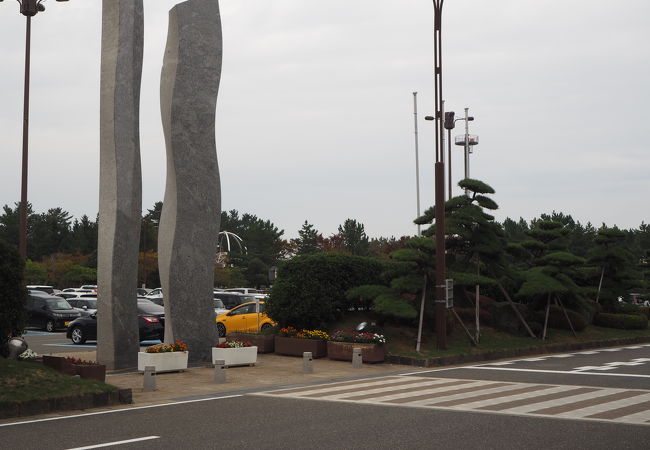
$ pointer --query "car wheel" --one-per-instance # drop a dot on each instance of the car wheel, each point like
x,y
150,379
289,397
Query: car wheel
x,y
221,329
266,326
77,335
49,326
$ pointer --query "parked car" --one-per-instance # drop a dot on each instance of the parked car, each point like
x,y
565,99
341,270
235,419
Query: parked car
x,y
151,324
49,312
91,287
244,318
142,291
232,299
87,306
42,288
219,307
86,291
243,290
155,293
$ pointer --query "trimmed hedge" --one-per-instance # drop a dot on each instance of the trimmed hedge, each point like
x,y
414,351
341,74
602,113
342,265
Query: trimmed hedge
x,y
310,289
13,294
557,319
621,321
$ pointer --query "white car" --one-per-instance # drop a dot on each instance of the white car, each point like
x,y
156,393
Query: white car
x,y
155,293
87,306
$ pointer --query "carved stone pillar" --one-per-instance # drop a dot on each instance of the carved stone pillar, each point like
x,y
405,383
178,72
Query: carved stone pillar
x,y
189,224
120,183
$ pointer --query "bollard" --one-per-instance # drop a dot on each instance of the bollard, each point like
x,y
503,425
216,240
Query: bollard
x,y
149,380
307,363
219,371
357,360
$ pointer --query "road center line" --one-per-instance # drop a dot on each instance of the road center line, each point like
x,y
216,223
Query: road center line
x,y
107,444
119,410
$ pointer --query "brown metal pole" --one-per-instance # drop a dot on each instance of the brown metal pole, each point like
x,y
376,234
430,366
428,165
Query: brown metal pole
x,y
441,307
22,241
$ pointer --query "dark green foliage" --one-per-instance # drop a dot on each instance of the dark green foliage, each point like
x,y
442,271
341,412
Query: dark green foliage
x,y
557,319
13,294
505,319
354,237
645,310
310,291
621,321
391,304
475,186
309,239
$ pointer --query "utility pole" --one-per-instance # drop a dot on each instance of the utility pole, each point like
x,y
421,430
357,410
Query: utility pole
x,y
417,157
441,304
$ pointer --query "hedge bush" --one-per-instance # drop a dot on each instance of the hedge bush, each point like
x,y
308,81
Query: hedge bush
x,y
310,289
621,321
13,294
557,319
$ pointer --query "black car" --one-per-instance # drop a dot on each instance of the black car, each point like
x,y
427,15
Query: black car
x,y
151,324
49,311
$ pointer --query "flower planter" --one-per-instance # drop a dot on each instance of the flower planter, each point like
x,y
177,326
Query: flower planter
x,y
265,343
60,364
238,356
163,362
95,372
296,346
342,351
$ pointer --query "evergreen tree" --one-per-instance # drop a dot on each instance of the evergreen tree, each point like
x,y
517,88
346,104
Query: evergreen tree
x,y
354,238
309,240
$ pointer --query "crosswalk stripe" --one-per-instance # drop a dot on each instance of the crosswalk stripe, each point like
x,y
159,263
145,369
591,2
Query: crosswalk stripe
x,y
554,410
548,400
536,399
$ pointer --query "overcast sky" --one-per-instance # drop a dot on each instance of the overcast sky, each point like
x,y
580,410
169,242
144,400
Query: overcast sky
x,y
315,109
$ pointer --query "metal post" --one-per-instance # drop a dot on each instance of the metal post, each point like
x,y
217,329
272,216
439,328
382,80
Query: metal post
x,y
449,164
22,241
441,331
307,363
357,359
417,157
466,144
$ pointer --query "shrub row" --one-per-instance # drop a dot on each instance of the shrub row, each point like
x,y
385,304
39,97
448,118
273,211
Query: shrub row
x,y
621,321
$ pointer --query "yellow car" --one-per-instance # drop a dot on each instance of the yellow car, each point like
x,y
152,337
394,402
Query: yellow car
x,y
243,318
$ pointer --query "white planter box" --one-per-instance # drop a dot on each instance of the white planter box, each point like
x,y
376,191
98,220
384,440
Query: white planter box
x,y
241,356
164,362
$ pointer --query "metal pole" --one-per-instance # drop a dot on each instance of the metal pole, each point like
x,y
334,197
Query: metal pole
x,y
22,241
441,332
449,164
417,157
466,143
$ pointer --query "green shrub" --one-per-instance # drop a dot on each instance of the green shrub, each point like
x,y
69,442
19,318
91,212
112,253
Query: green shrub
x,y
557,319
505,319
13,294
645,310
621,321
310,289
468,315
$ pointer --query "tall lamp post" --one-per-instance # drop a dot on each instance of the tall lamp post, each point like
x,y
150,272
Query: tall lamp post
x,y
28,8
441,303
467,141
450,124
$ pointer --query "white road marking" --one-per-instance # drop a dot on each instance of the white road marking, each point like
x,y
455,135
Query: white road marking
x,y
108,444
118,410
570,372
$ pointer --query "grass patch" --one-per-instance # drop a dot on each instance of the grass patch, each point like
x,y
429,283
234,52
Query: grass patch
x,y
22,381
401,339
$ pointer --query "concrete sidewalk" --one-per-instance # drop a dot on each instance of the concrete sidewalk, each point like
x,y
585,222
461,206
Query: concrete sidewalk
x,y
271,371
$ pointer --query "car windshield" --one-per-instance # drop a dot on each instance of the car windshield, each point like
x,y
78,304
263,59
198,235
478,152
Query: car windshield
x,y
58,304
90,303
150,308
218,303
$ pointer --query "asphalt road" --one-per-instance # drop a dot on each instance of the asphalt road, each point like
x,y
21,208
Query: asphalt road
x,y
592,400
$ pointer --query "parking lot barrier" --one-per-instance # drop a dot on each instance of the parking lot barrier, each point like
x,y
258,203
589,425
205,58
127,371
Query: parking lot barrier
x,y
149,379
219,371
307,363
357,359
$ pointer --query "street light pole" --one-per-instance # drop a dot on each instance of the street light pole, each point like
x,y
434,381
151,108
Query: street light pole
x,y
440,296
466,143
28,8
417,157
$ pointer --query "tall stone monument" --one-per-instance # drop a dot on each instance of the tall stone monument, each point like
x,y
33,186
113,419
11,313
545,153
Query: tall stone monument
x,y
191,211
120,183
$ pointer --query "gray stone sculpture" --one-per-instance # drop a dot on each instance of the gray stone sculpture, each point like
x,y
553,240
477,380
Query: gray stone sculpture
x,y
120,183
192,205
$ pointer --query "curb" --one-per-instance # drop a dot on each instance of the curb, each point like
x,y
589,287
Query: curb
x,y
501,354
76,402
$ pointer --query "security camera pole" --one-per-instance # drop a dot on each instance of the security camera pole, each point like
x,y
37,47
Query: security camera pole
x,y
28,8
441,309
